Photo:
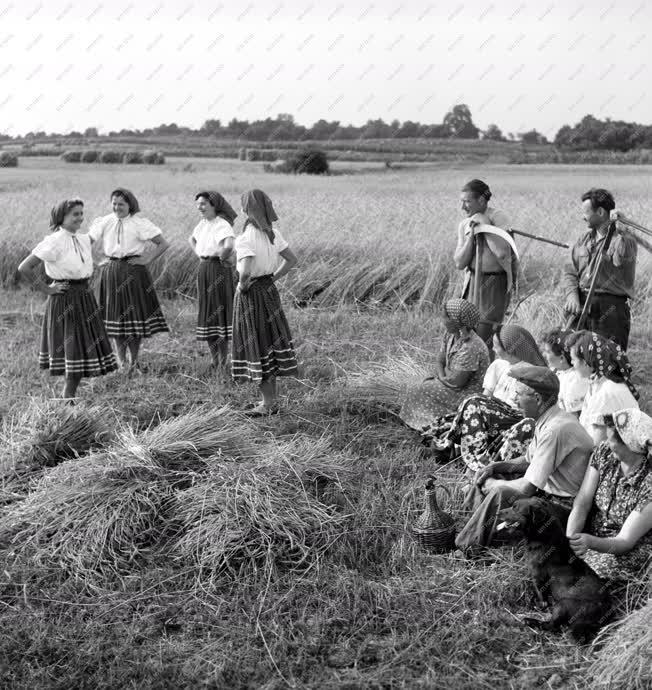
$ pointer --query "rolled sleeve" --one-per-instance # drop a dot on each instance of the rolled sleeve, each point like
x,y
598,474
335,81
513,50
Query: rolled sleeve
x,y
571,277
146,229
96,230
280,241
543,459
244,248
500,220
46,250
625,250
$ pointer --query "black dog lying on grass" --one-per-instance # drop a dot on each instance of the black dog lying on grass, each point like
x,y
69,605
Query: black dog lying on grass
x,y
579,598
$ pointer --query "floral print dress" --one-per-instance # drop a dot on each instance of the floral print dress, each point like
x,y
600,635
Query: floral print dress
x,y
616,497
426,404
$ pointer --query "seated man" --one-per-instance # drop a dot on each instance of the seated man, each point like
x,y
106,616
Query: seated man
x,y
552,468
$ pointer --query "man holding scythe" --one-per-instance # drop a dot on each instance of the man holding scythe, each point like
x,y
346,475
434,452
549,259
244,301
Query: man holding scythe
x,y
602,270
488,256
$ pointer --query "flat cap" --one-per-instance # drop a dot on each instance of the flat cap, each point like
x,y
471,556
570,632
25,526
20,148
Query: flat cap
x,y
540,379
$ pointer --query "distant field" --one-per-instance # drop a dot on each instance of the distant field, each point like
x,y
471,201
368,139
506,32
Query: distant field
x,y
109,572
377,236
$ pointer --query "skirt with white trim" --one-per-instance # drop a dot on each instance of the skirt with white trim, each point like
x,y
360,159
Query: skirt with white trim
x,y
262,343
73,337
215,290
128,301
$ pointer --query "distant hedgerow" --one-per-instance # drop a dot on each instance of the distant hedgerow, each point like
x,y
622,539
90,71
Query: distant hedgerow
x,y
153,157
71,156
109,156
90,156
132,157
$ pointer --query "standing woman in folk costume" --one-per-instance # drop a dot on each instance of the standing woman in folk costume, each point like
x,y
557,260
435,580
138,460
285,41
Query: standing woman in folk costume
x,y
497,261
213,241
128,301
74,343
262,346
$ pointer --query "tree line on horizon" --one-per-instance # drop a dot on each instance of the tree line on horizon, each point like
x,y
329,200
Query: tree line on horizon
x,y
590,133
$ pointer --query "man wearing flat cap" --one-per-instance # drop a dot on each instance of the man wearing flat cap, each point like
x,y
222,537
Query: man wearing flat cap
x,y
552,468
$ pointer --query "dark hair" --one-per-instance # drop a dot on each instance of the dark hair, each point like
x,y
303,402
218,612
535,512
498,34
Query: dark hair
x,y
558,340
478,188
608,420
600,198
220,205
61,210
573,337
129,197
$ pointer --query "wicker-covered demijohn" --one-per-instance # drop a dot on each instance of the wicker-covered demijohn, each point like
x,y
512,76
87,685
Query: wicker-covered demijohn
x,y
434,529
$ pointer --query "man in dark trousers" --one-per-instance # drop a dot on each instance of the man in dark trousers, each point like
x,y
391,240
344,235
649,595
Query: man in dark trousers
x,y
609,313
497,259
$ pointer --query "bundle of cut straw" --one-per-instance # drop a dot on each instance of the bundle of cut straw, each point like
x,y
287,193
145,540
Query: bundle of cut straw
x,y
387,383
625,661
95,516
43,436
262,514
186,442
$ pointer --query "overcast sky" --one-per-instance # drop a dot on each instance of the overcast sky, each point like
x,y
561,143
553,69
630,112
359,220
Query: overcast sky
x,y
518,63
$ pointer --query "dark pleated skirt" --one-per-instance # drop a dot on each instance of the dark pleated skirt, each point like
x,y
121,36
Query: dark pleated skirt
x,y
73,337
215,290
128,302
262,343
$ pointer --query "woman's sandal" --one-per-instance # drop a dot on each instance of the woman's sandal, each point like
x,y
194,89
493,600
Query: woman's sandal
x,y
262,410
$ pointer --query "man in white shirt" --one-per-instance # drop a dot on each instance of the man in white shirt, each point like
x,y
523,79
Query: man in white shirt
x,y
497,260
553,467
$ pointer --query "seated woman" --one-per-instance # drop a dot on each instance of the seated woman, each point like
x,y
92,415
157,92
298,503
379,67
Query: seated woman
x,y
572,385
607,369
482,419
610,525
463,360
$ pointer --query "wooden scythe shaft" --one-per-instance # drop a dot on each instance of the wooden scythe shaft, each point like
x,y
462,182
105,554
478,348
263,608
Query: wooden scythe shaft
x,y
477,278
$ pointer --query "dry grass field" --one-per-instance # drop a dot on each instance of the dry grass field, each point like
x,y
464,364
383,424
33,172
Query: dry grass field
x,y
154,537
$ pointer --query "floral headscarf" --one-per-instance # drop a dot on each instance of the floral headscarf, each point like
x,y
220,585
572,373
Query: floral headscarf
x,y
462,313
635,429
605,358
519,342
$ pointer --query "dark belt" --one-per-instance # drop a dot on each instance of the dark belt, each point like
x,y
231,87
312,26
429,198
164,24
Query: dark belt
x,y
70,281
564,501
267,275
124,258
215,259
604,294
488,273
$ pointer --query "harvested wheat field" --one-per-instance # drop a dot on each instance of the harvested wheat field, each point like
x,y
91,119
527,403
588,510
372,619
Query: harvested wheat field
x,y
154,537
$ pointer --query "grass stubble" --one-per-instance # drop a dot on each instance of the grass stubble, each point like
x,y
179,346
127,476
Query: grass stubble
x,y
155,537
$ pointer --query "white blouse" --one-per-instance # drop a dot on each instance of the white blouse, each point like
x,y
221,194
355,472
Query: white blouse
x,y
66,255
122,237
573,388
254,242
500,384
603,397
209,234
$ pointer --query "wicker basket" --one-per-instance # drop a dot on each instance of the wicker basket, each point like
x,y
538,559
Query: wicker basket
x,y
434,529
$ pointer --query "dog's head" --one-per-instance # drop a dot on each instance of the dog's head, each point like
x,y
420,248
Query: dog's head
x,y
532,517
